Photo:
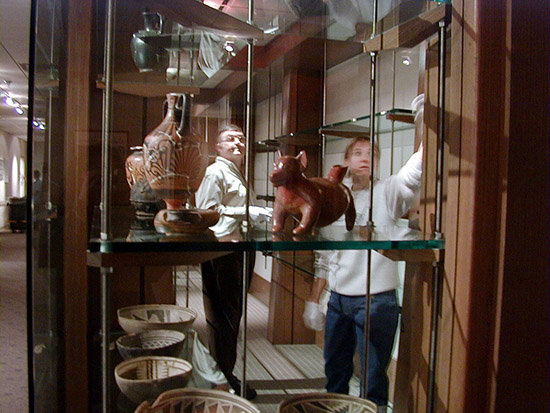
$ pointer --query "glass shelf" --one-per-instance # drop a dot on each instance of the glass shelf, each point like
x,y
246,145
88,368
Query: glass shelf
x,y
136,236
402,119
279,26
360,126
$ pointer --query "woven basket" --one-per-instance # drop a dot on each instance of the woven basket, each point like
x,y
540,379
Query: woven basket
x,y
140,318
144,378
151,343
198,400
326,402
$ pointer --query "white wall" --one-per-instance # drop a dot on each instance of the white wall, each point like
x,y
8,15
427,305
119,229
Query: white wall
x,y
13,154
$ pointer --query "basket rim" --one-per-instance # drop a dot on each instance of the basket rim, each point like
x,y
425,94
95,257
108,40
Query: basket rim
x,y
191,391
180,337
137,360
325,395
157,307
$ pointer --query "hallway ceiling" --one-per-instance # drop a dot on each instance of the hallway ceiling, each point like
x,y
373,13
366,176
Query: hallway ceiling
x,y
14,59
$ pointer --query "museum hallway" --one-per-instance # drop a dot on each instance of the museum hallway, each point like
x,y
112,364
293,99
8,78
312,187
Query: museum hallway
x,y
13,325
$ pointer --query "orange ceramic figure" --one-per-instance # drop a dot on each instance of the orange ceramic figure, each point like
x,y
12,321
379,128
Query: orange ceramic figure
x,y
316,202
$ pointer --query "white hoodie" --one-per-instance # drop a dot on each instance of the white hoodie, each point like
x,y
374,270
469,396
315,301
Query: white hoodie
x,y
346,270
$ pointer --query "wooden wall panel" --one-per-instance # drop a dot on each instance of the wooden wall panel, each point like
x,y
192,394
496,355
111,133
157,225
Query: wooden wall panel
x,y
411,388
75,225
519,369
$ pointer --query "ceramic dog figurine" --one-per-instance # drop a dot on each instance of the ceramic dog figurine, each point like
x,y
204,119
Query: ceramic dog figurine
x,y
316,202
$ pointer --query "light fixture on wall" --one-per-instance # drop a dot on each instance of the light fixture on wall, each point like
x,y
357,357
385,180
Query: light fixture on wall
x,y
406,61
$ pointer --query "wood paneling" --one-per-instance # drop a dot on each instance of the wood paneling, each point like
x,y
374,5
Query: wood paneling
x,y
290,288
414,345
490,356
75,223
408,34
519,368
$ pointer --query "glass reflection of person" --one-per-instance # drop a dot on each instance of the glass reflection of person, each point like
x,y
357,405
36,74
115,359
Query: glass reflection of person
x,y
36,187
224,189
345,273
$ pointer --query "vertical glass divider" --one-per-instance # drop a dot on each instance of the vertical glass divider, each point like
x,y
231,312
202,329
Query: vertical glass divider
x,y
364,382
247,254
106,201
437,274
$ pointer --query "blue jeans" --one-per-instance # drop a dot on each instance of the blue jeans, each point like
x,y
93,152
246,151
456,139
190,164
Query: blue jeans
x,y
344,333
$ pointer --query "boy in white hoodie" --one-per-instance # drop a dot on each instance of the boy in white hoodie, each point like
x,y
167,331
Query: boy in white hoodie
x,y
345,272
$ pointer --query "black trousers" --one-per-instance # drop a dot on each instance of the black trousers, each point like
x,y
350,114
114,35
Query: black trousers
x,y
222,294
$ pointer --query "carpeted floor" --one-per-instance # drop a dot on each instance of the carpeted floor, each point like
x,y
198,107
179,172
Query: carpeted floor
x,y
13,331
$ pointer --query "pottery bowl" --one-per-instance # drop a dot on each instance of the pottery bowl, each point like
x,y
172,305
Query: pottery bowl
x,y
140,318
326,402
151,343
198,400
144,378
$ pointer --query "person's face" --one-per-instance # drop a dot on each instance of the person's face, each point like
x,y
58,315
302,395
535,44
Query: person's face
x,y
358,160
231,146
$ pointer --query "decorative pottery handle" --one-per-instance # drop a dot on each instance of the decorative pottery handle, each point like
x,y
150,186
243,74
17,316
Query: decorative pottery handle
x,y
181,105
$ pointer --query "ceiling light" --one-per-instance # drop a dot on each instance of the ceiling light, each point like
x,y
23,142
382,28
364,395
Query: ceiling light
x,y
8,100
35,123
19,110
229,46
406,61
271,30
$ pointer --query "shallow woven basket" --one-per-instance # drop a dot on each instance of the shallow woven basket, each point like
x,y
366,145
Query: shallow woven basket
x,y
151,343
326,402
198,400
144,378
140,318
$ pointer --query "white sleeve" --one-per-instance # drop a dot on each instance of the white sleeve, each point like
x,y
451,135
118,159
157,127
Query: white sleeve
x,y
321,263
210,196
402,189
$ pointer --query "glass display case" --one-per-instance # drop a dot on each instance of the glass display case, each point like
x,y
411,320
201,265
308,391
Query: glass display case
x,y
296,76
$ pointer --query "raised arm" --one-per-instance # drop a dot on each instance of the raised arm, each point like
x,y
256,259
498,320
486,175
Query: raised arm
x,y
402,189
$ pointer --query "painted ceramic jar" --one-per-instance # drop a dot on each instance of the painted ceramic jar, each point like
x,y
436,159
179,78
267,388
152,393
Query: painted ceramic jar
x,y
175,157
145,201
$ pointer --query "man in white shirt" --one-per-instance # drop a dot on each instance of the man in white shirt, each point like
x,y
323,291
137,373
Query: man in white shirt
x,y
224,189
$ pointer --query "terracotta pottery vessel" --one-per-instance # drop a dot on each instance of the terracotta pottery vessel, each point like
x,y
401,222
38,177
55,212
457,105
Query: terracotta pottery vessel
x,y
135,166
145,201
306,198
175,162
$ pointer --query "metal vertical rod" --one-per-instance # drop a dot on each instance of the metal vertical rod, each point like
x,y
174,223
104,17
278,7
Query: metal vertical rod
x,y
392,121
187,286
440,127
324,114
364,383
105,324
107,121
437,274
247,254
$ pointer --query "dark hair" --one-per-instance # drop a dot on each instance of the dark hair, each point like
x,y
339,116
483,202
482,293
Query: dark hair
x,y
228,127
357,139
